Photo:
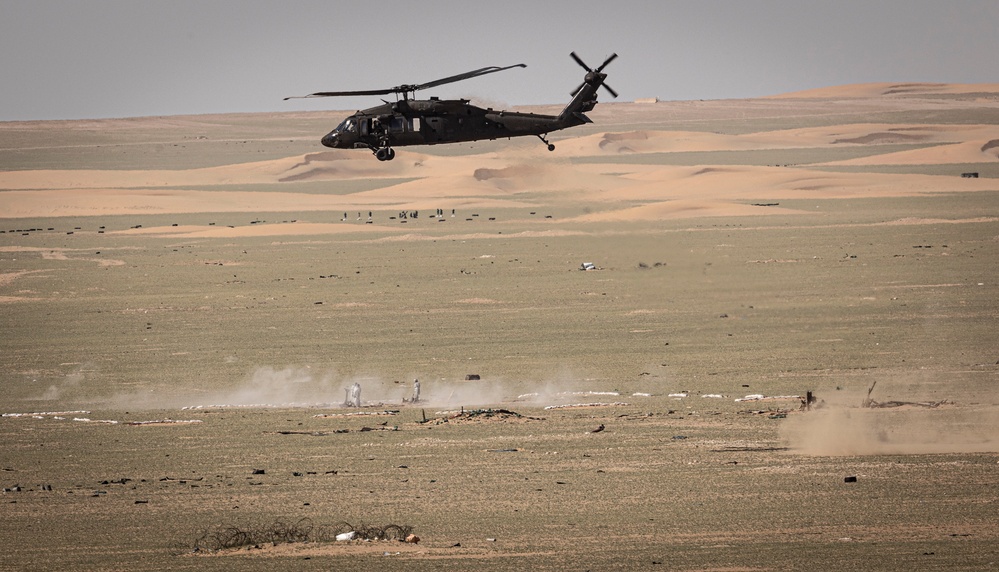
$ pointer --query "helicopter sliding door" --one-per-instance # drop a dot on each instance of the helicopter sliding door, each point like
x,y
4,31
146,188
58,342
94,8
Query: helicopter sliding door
x,y
405,131
437,130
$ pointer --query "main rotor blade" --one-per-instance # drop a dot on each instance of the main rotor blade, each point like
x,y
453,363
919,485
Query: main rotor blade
x,y
607,61
405,89
345,93
464,76
579,61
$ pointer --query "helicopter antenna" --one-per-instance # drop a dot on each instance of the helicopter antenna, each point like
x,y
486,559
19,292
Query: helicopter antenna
x,y
406,90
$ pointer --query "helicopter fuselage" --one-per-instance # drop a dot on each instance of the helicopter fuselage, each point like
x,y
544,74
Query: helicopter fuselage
x,y
435,121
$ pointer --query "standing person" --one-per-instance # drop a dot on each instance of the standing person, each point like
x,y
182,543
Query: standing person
x,y
355,394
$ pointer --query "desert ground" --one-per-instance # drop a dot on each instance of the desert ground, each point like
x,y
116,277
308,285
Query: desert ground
x,y
185,301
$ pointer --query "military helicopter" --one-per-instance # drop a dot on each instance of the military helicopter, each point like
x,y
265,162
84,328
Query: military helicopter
x,y
433,121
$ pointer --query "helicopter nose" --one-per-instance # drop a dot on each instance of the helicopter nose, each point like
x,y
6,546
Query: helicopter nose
x,y
330,139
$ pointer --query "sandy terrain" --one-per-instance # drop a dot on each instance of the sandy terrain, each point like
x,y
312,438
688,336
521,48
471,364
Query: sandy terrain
x,y
185,300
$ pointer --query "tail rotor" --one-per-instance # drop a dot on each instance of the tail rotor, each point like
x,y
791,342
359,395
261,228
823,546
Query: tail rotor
x,y
594,75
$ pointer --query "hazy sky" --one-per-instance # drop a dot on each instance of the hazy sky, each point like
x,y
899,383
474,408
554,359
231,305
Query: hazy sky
x,y
70,59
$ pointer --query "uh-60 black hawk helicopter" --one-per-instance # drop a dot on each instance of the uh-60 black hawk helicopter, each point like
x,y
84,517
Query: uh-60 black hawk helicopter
x,y
434,121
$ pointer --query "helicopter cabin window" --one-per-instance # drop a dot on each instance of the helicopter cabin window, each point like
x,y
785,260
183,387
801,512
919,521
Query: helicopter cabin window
x,y
398,124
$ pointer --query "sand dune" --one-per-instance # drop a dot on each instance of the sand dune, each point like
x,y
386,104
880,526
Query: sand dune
x,y
978,151
893,89
685,208
632,187
461,183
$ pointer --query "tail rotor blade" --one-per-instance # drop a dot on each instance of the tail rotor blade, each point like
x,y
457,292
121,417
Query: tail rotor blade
x,y
580,62
607,61
610,89
575,91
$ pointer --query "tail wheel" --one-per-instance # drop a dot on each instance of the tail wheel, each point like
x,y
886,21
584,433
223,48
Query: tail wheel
x,y
385,154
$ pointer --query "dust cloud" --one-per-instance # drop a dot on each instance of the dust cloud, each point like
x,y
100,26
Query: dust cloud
x,y
68,385
267,386
843,427
305,386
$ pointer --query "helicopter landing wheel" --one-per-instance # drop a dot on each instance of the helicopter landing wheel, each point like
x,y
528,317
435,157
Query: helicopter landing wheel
x,y
385,154
545,141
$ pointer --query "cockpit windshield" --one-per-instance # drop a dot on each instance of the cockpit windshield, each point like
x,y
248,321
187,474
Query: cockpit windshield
x,y
346,125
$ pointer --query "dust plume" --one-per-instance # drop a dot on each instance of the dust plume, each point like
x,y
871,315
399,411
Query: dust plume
x,y
303,386
288,386
468,394
68,386
845,427
263,387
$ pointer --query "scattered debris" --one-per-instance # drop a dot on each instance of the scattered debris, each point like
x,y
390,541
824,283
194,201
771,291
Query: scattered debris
x,y
748,449
598,429
474,415
575,405
44,414
359,413
228,537
570,394
384,427
165,422
887,404
872,404
63,415
760,397
587,266
850,479
223,406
